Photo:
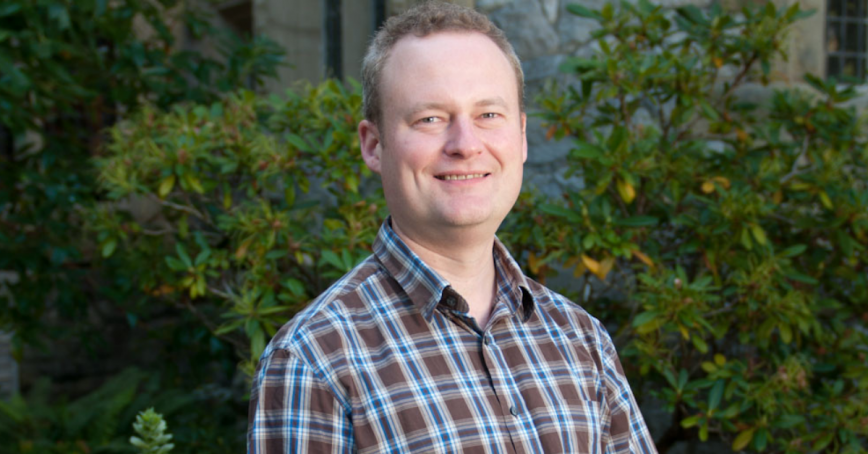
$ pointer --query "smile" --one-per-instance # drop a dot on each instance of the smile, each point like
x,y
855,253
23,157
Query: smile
x,y
461,177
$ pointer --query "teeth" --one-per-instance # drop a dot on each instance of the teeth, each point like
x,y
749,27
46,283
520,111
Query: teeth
x,y
461,177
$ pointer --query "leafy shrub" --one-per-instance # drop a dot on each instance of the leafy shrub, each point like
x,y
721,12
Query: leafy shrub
x,y
205,420
727,237
93,421
67,71
255,206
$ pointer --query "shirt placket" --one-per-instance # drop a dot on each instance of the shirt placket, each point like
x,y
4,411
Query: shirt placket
x,y
513,410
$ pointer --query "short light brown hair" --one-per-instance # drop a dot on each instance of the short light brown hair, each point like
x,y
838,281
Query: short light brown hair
x,y
423,20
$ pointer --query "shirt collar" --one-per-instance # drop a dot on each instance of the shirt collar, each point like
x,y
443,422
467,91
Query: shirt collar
x,y
426,288
512,283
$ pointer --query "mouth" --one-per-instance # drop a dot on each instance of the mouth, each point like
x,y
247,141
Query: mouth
x,y
468,176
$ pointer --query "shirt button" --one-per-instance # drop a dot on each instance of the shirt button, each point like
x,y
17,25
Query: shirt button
x,y
450,301
513,410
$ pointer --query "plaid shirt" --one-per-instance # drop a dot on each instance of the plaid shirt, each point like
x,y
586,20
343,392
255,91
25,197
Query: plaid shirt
x,y
388,360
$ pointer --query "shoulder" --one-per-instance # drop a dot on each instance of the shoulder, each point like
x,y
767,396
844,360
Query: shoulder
x,y
559,312
560,308
320,328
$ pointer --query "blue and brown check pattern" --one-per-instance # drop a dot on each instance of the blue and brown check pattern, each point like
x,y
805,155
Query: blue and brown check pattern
x,y
387,360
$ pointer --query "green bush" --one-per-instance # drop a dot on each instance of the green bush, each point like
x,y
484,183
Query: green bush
x,y
68,70
93,421
255,206
204,420
726,236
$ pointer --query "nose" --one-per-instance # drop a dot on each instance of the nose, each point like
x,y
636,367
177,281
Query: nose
x,y
463,141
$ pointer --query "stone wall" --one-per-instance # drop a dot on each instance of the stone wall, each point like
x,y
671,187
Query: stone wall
x,y
543,34
298,26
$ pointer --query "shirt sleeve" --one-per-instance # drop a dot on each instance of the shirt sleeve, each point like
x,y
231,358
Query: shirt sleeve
x,y
292,409
627,429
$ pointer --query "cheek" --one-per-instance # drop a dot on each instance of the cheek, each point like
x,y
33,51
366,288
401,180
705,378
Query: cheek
x,y
410,156
398,175
509,152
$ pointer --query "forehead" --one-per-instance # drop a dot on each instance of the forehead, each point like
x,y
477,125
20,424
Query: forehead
x,y
454,65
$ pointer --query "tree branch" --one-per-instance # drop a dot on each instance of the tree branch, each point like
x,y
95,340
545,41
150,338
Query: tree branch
x,y
184,208
794,170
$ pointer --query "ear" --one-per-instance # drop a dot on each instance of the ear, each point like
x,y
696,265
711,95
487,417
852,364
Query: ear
x,y
523,137
369,141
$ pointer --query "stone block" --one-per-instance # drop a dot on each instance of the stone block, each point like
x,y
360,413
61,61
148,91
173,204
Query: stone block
x,y
542,68
487,6
542,151
806,44
550,181
298,27
357,23
550,9
573,30
527,29
859,102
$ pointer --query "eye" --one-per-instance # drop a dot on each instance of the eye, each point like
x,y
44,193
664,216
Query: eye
x,y
428,120
490,115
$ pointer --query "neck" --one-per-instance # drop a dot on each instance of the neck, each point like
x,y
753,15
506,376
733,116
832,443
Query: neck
x,y
467,266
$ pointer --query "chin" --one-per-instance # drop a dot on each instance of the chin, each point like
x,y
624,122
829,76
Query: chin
x,y
466,219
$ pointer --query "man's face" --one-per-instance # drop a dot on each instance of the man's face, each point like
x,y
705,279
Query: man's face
x,y
451,142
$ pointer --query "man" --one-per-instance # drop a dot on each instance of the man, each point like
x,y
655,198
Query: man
x,y
438,342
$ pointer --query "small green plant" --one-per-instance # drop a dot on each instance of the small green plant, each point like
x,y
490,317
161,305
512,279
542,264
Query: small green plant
x,y
151,430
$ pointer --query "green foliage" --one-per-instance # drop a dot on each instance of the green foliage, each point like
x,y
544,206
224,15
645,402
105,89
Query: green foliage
x,y
152,437
727,235
90,422
67,71
207,418
255,206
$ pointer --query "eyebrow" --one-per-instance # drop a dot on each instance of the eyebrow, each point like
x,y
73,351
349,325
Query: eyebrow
x,y
496,101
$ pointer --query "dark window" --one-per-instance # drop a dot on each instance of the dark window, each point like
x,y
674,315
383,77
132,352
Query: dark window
x,y
334,39
239,15
335,18
379,13
846,22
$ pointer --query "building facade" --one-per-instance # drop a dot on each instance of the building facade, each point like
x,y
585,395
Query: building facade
x,y
328,37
